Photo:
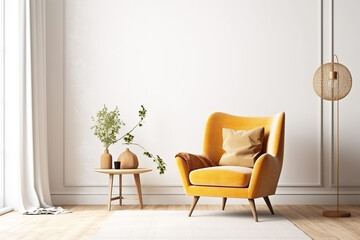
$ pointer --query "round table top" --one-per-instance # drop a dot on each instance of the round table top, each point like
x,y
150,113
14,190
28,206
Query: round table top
x,y
123,171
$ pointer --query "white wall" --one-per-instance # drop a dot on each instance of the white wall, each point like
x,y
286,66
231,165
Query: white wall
x,y
11,103
184,60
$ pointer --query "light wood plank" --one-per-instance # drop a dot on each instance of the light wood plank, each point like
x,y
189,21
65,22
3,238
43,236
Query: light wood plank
x,y
84,221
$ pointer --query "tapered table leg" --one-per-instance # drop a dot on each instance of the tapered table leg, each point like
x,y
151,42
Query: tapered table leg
x,y
120,189
138,188
111,177
136,172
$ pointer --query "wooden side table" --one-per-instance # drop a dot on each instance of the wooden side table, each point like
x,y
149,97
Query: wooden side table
x,y
120,172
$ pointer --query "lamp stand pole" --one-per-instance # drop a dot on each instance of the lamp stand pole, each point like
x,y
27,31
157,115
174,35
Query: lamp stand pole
x,y
337,213
334,77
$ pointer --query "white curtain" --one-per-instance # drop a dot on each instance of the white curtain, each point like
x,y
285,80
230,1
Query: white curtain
x,y
34,176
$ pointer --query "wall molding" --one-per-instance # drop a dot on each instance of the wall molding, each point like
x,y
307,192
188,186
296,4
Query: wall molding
x,y
68,182
66,192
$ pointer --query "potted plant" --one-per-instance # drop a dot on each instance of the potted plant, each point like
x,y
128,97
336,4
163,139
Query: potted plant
x,y
107,127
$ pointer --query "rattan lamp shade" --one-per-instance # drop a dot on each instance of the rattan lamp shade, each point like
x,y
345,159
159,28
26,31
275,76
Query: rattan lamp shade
x,y
332,81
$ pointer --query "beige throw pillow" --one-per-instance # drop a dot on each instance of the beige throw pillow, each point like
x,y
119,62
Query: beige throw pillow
x,y
241,146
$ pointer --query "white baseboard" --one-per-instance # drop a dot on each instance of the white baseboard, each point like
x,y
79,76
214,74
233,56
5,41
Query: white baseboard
x,y
176,199
175,195
5,210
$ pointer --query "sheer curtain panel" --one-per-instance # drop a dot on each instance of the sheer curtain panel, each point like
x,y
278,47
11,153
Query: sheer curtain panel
x,y
34,177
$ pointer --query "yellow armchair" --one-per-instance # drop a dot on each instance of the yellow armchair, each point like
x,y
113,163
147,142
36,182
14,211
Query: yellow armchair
x,y
237,181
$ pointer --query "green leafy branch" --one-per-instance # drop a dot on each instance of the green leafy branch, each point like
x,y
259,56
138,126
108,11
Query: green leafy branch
x,y
161,165
158,160
128,137
107,127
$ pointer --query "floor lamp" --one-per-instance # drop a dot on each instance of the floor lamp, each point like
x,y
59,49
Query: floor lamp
x,y
332,81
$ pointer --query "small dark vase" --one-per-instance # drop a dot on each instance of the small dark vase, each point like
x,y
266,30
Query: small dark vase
x,y
117,164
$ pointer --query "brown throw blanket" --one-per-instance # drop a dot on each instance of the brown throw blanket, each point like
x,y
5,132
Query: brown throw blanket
x,y
196,161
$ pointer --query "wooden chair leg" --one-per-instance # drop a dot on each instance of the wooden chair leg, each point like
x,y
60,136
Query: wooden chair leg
x,y
224,203
196,199
253,209
268,203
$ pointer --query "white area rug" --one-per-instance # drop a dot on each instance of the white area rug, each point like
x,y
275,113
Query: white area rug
x,y
204,224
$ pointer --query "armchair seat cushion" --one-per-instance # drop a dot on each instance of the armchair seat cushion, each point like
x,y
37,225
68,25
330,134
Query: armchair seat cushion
x,y
221,176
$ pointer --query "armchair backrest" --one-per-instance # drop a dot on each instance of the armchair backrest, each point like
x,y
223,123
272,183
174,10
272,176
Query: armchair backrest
x,y
273,139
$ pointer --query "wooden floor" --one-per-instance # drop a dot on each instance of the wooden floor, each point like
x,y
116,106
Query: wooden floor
x,y
85,221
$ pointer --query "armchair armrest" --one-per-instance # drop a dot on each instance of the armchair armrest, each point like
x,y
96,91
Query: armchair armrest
x,y
187,162
265,176
184,173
